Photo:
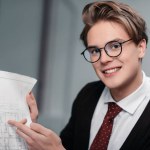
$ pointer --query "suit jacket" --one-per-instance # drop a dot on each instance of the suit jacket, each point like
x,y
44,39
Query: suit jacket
x,y
75,136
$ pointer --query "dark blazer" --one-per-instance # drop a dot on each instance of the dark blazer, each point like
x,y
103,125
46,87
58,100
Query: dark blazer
x,y
75,136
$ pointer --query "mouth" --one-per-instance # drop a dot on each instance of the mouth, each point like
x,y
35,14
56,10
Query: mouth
x,y
112,70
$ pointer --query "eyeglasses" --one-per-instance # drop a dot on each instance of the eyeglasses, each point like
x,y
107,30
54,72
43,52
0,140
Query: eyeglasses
x,y
113,49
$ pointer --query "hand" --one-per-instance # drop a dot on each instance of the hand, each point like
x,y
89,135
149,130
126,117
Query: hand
x,y
32,106
37,136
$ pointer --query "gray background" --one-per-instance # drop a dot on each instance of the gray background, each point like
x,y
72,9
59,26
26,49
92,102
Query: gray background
x,y
63,71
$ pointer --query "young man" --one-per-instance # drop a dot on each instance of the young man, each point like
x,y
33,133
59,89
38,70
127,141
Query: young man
x,y
115,39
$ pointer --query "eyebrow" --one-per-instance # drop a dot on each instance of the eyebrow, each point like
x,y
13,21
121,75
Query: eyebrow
x,y
116,39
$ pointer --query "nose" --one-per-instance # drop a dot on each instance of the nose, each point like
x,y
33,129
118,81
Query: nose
x,y
104,57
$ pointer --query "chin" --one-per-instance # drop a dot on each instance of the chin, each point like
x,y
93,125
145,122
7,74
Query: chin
x,y
112,84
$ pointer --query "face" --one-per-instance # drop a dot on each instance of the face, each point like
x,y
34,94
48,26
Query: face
x,y
122,73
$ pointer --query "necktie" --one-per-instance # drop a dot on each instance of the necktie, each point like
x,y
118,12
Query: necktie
x,y
102,138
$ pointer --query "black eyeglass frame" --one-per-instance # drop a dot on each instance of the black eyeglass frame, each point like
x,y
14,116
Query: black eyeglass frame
x,y
99,49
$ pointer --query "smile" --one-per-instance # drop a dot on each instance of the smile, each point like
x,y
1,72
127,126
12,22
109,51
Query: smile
x,y
109,71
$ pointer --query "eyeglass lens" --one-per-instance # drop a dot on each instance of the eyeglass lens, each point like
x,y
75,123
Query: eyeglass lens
x,y
112,49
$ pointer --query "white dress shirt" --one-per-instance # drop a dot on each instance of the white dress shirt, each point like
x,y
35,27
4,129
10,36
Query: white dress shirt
x,y
133,105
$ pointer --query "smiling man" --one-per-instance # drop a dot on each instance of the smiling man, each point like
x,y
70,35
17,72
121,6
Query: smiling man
x,y
118,63
113,113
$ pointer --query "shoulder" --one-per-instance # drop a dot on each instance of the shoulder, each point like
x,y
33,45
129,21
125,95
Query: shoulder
x,y
93,87
96,84
90,91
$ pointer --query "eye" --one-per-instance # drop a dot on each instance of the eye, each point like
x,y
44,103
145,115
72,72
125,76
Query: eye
x,y
114,45
93,50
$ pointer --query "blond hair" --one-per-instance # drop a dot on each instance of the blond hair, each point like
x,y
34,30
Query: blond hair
x,y
121,13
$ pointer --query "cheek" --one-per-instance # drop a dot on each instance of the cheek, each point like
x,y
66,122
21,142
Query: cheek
x,y
130,56
131,63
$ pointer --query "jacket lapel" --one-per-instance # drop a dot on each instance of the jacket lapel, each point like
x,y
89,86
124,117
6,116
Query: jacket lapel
x,y
139,138
86,111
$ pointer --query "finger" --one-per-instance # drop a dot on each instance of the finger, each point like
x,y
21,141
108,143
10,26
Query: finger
x,y
32,106
45,132
23,121
39,128
24,136
30,142
23,128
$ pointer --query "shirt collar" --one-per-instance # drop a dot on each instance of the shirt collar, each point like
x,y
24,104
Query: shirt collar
x,y
132,101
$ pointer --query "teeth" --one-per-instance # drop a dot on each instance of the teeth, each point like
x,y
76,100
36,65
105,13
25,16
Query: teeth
x,y
111,70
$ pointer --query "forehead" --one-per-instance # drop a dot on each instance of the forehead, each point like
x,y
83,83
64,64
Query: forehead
x,y
105,31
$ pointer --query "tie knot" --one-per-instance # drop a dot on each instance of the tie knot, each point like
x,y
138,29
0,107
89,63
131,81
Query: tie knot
x,y
113,110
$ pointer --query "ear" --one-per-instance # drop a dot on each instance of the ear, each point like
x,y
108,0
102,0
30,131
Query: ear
x,y
142,48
